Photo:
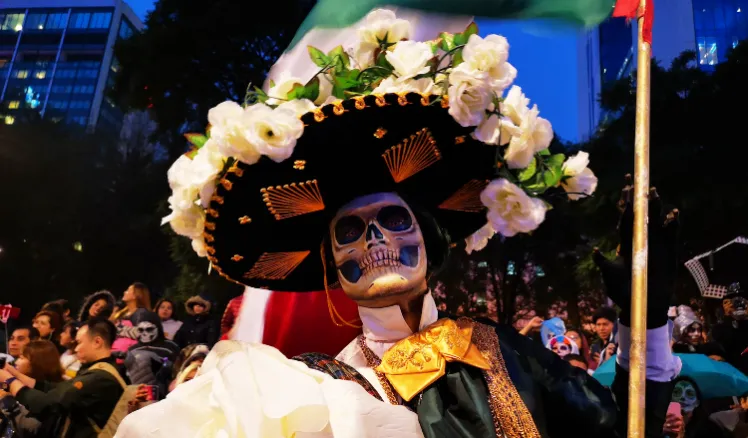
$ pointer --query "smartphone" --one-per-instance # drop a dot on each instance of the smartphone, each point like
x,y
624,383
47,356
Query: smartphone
x,y
152,392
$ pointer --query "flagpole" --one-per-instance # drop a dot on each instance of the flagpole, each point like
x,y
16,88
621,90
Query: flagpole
x,y
638,361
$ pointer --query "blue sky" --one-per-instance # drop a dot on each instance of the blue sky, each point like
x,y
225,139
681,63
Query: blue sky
x,y
141,7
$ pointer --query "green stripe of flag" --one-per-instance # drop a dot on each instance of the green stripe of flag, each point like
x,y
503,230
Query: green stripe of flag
x,y
338,14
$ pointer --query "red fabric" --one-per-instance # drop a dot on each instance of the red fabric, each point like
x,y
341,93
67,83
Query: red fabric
x,y
630,10
229,315
298,323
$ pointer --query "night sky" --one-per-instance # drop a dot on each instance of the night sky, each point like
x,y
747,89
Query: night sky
x,y
141,7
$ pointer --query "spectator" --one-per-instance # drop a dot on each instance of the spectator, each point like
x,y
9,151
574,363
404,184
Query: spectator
x,y
62,307
88,400
137,299
49,325
605,323
199,327
40,361
165,310
576,360
68,359
580,339
20,338
98,304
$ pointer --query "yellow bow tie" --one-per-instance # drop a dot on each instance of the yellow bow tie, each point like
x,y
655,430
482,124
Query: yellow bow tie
x,y
419,360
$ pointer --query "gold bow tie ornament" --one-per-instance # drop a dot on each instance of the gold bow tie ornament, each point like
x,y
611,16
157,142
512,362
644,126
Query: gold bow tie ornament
x,y
419,360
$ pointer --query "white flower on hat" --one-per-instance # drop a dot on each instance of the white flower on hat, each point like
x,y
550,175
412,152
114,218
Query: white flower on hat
x,y
490,55
478,240
582,181
193,178
207,164
299,107
410,58
278,93
379,25
272,132
229,126
510,209
188,222
488,131
469,96
198,245
396,85
522,129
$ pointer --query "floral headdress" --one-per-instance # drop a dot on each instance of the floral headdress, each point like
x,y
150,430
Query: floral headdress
x,y
438,118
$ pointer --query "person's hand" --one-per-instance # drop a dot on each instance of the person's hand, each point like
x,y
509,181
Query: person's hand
x,y
534,324
673,420
141,394
5,375
610,350
3,394
596,357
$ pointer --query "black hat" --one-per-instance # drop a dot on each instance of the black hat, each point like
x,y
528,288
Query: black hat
x,y
266,223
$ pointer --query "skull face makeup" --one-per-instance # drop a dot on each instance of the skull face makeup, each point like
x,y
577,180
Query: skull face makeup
x,y
693,334
378,249
561,349
147,332
685,394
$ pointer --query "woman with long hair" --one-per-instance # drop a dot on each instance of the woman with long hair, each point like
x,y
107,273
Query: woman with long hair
x,y
578,337
49,325
166,310
137,299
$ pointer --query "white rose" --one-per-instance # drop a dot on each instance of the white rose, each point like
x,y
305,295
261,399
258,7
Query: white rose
x,y
273,132
396,85
469,96
510,209
279,92
409,58
207,164
490,55
188,223
228,130
179,173
198,245
488,131
325,91
478,240
581,180
184,197
521,127
299,107
379,25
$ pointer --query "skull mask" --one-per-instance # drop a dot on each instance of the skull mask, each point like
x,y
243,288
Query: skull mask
x,y
378,249
147,332
693,334
685,394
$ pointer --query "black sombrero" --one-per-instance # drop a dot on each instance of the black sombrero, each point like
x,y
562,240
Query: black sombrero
x,y
266,222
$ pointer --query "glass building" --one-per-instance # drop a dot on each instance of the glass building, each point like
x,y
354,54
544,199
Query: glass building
x,y
718,26
56,58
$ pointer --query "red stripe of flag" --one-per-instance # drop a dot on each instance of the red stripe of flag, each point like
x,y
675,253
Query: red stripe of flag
x,y
630,10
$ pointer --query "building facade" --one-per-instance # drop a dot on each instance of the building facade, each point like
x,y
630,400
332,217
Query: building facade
x,y
56,58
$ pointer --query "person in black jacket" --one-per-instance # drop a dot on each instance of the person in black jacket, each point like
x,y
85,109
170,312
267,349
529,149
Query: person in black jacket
x,y
200,327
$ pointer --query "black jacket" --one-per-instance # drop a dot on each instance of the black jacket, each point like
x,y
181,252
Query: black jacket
x,y
198,329
90,395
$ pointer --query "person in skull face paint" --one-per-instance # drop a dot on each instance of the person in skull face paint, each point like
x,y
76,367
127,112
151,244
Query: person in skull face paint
x,y
561,345
373,193
152,355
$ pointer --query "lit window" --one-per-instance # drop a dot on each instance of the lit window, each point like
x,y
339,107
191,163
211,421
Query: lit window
x,y
40,74
14,104
9,120
510,269
735,41
22,74
79,20
708,51
57,21
100,20
12,22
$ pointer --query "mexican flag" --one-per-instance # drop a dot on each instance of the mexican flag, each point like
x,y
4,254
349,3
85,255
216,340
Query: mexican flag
x,y
335,22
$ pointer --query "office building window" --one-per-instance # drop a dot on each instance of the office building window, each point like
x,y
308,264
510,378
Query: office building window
x,y
32,97
100,20
56,21
61,89
14,104
83,89
80,104
36,21
80,120
79,20
65,74
87,73
11,22
9,120
735,42
40,74
708,51
58,104
22,74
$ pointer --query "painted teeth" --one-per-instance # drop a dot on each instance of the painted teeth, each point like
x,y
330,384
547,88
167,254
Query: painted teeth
x,y
379,259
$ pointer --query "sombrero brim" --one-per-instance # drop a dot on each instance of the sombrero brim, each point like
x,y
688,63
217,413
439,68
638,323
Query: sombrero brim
x,y
266,222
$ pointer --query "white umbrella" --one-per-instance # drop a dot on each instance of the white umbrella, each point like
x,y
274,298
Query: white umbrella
x,y
715,270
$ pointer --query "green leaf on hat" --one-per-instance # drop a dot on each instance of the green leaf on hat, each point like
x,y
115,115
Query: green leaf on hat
x,y
447,41
309,91
529,171
460,39
545,152
472,29
318,56
339,58
195,139
557,160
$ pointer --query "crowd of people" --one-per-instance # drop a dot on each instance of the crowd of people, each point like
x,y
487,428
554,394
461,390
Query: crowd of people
x,y
48,383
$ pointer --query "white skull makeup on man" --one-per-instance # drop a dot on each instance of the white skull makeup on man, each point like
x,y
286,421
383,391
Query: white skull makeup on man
x,y
147,332
379,250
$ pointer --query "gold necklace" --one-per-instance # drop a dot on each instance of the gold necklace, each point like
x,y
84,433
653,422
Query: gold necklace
x,y
373,361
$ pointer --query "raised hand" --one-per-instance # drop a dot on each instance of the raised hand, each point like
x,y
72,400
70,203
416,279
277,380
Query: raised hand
x,y
663,230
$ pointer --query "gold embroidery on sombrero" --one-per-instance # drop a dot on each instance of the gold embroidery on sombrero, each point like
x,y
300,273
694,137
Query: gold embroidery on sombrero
x,y
411,156
293,199
460,139
299,164
276,265
244,220
380,132
466,198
